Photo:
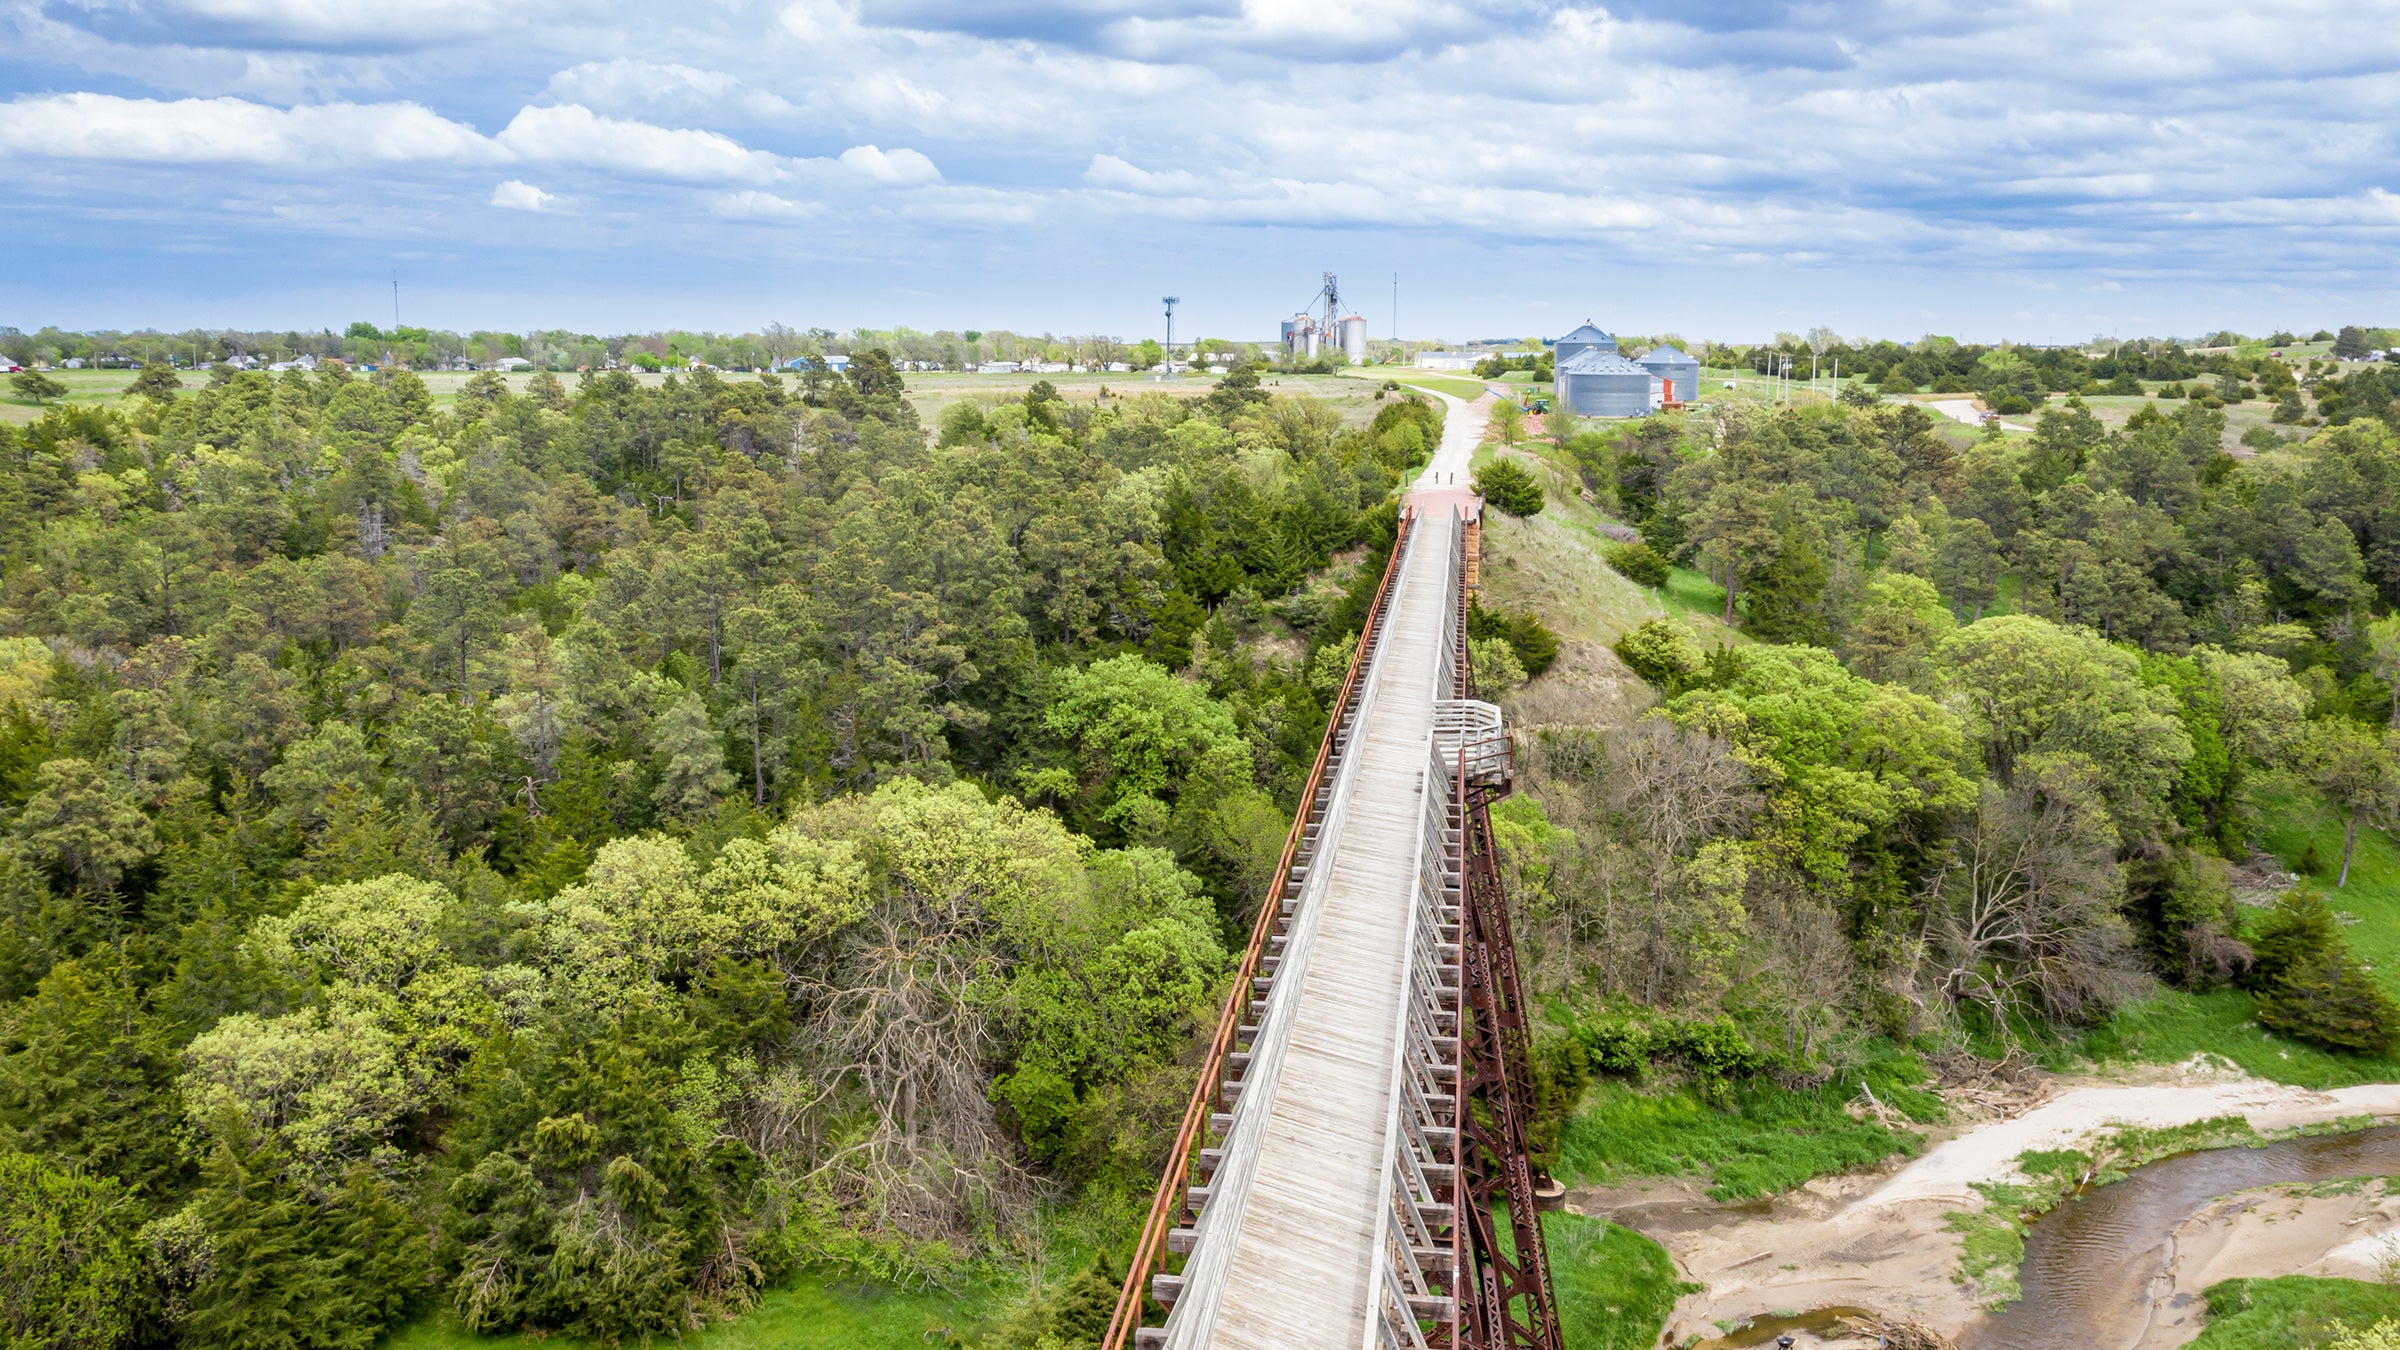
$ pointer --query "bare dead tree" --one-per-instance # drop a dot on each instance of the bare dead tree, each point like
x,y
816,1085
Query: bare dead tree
x,y
2027,921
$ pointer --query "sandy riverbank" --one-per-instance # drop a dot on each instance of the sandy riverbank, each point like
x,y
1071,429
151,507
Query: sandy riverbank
x,y
2278,1230
1878,1240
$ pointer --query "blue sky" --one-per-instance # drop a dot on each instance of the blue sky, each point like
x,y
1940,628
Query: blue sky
x,y
2042,171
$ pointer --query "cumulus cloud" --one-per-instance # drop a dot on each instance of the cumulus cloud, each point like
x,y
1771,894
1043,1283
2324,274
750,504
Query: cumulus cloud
x,y
2234,142
570,133
899,168
518,195
752,204
310,23
1108,171
233,131
672,89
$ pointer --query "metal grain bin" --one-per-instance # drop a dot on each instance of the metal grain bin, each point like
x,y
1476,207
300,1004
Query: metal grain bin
x,y
1603,384
1678,369
1584,339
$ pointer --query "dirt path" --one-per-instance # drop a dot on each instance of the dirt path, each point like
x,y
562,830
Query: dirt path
x,y
1967,411
1878,1240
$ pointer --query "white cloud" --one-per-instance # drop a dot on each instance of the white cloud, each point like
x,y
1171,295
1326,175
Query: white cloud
x,y
573,134
518,195
1108,171
669,88
899,168
234,131
752,204
403,23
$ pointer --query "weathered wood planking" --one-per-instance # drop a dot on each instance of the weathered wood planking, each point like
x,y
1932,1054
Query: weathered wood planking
x,y
1304,1254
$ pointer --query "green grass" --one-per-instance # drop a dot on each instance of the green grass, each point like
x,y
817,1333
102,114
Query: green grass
x,y
1466,389
2292,1311
809,1314
2173,1026
1771,1140
1991,1247
1689,594
1614,1286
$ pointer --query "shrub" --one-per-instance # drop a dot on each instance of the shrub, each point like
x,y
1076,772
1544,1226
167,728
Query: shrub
x,y
2126,384
1640,563
1507,485
2012,404
1536,647
1895,381
1660,652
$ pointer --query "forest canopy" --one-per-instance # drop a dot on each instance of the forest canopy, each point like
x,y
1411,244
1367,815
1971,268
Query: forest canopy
x,y
575,856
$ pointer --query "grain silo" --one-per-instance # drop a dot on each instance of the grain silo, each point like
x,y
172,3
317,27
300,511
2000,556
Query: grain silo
x,y
1679,372
1354,339
1603,384
1585,339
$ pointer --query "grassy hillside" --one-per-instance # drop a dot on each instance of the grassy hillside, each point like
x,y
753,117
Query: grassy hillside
x,y
2174,1026
810,1314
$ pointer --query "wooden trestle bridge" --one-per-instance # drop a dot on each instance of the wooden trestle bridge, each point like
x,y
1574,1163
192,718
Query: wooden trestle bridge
x,y
1351,1171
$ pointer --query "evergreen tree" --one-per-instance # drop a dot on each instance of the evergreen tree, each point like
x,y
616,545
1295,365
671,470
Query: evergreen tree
x,y
692,777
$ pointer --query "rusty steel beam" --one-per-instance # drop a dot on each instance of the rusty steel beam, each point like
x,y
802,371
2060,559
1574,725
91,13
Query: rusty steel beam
x,y
1506,1300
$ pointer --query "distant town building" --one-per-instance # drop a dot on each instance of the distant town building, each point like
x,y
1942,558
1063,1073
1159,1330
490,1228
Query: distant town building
x,y
1431,360
512,363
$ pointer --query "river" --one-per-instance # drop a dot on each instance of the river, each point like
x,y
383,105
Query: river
x,y
2091,1262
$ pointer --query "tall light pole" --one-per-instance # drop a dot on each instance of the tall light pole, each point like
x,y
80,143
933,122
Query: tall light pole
x,y
1170,302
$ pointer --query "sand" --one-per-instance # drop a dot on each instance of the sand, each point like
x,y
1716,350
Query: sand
x,y
1878,1240
2277,1230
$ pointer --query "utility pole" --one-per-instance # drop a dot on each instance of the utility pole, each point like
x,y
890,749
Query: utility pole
x,y
1395,306
1170,301
395,301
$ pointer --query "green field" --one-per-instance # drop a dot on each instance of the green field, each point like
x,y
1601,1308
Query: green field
x,y
930,391
1455,386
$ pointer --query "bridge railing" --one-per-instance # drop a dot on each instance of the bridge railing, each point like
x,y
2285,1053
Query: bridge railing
x,y
1417,1253
1246,1018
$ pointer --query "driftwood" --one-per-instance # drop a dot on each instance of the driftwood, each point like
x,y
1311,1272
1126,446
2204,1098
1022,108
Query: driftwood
x,y
1899,1333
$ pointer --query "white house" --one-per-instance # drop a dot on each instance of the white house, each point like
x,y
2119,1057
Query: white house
x,y
1446,360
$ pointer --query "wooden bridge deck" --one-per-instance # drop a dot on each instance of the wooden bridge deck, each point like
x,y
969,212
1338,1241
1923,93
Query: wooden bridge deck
x,y
1301,1267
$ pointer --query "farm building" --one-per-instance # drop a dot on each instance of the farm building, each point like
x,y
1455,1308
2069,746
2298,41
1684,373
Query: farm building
x,y
1585,339
1678,373
1603,384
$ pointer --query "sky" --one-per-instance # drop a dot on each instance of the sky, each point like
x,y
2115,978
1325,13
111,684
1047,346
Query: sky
x,y
2045,171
